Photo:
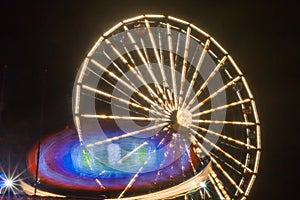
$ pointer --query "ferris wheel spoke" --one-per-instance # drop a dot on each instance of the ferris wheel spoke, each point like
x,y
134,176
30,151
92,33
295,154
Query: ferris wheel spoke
x,y
199,64
176,65
121,107
216,93
123,100
226,163
183,72
127,134
116,66
221,107
124,117
228,138
109,83
128,86
222,171
137,73
204,84
217,164
165,83
152,93
227,176
171,57
218,185
223,122
150,70
164,103
221,150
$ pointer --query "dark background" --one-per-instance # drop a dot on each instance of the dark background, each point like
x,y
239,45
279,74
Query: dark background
x,y
262,37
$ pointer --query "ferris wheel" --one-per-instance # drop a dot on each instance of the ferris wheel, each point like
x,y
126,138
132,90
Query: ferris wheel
x,y
163,107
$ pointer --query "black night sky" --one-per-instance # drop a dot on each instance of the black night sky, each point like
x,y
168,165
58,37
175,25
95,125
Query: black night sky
x,y
263,39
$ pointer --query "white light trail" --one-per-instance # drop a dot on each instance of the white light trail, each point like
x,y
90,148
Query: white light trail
x,y
183,72
219,166
127,85
214,94
122,100
204,84
127,134
221,150
221,107
109,83
165,83
223,122
171,56
124,117
225,137
132,152
199,64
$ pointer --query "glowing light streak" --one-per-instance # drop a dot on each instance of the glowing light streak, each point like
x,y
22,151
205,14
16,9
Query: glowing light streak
x,y
175,191
116,105
150,71
221,107
131,182
227,164
146,64
255,112
219,46
100,184
113,29
223,122
221,150
136,71
199,30
109,83
215,93
220,185
216,187
190,159
257,161
154,16
121,100
221,169
235,65
119,69
133,19
178,20
247,88
170,45
224,137
127,134
95,46
204,84
165,83
132,152
199,64
29,190
124,117
76,110
183,72
126,84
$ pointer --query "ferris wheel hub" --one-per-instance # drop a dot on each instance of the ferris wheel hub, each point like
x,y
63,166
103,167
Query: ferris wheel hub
x,y
184,117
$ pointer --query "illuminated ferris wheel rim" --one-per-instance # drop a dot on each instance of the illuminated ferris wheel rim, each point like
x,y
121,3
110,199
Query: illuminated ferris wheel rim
x,y
167,20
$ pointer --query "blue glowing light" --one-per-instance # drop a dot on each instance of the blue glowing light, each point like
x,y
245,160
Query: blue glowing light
x,y
67,164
